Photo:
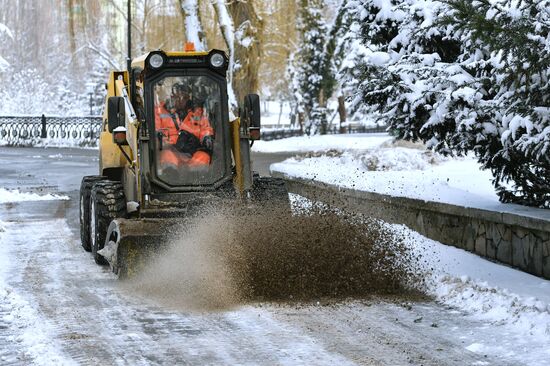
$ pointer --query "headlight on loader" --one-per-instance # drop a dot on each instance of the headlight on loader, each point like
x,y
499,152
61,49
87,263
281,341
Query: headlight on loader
x,y
217,60
156,61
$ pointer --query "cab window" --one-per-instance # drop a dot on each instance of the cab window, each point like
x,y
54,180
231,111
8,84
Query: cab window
x,y
187,118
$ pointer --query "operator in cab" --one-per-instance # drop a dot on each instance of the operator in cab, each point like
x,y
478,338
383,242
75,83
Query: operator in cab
x,y
185,135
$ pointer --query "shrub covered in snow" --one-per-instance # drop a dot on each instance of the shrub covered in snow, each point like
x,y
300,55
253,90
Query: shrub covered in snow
x,y
31,94
462,76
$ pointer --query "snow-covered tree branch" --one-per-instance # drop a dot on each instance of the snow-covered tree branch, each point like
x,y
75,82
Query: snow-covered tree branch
x,y
4,31
228,32
193,24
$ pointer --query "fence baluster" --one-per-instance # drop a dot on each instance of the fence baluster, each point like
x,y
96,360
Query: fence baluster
x,y
43,133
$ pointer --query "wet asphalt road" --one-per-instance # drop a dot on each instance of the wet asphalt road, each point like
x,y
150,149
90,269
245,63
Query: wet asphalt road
x,y
62,168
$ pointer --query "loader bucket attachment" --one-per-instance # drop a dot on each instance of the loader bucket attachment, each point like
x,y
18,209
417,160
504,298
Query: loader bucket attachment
x,y
132,243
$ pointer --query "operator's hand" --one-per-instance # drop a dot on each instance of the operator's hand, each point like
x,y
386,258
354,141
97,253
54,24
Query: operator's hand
x,y
208,142
160,138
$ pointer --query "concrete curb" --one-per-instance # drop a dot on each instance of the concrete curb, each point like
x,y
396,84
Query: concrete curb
x,y
517,239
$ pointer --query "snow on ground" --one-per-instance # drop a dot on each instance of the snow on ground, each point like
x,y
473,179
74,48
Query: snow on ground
x,y
7,196
321,143
55,143
401,173
51,142
22,320
275,114
513,306
515,303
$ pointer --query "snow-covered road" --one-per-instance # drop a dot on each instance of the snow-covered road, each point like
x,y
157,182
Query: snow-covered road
x,y
58,307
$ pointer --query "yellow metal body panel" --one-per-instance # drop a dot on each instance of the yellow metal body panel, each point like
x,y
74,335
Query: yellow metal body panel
x,y
110,155
131,121
236,148
139,62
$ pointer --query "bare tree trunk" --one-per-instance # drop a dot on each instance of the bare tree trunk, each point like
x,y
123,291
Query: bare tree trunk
x,y
72,40
342,112
144,25
280,113
193,23
228,32
248,51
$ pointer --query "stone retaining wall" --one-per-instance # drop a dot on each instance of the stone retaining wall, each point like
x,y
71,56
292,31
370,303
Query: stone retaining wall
x,y
521,241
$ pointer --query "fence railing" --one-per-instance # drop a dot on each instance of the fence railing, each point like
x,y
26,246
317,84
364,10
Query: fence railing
x,y
360,129
84,131
28,130
277,134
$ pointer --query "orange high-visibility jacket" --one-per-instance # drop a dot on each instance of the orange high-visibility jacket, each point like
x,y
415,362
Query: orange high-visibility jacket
x,y
164,123
196,123
170,124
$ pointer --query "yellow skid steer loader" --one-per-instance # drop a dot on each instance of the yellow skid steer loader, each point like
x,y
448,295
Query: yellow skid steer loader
x,y
167,147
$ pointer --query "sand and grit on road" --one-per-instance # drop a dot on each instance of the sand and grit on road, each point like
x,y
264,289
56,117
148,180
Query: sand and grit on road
x,y
228,256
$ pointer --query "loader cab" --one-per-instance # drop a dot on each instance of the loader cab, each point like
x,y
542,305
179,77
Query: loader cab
x,y
181,99
167,147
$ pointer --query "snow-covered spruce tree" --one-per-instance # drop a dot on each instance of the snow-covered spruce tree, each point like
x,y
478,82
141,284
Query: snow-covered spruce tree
x,y
308,65
364,75
464,75
363,35
337,46
517,36
405,69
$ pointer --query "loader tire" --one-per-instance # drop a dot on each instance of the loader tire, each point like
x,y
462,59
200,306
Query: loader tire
x,y
270,190
107,202
84,210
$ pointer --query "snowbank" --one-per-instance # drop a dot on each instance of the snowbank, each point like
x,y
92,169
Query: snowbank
x,y
51,142
456,182
74,143
400,172
7,196
515,304
358,141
